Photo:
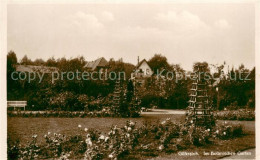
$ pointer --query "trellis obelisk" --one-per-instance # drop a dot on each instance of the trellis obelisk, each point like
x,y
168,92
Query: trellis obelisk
x,y
199,109
117,96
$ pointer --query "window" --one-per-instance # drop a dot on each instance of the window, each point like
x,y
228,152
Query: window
x,y
147,71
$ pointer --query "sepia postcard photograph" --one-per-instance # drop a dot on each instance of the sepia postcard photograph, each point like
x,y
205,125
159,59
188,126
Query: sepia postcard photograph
x,y
136,80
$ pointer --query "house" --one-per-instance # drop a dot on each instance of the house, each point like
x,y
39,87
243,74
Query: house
x,y
141,72
98,65
32,68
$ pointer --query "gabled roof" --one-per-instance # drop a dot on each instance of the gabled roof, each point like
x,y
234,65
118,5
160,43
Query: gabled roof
x,y
32,68
144,60
100,62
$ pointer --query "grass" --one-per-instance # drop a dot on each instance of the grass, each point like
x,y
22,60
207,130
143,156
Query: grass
x,y
22,129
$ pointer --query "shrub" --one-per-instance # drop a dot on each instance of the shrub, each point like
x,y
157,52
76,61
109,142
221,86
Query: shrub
x,y
227,131
125,142
241,115
105,112
62,101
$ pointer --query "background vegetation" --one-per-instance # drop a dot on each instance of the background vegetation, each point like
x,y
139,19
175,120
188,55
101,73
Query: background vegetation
x,y
76,95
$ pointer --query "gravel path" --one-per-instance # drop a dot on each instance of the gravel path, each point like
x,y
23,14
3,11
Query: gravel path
x,y
164,111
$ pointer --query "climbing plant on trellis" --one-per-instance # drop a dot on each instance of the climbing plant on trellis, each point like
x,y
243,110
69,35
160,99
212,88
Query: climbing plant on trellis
x,y
199,111
125,102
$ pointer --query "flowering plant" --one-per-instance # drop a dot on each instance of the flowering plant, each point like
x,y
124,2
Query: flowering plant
x,y
123,142
240,114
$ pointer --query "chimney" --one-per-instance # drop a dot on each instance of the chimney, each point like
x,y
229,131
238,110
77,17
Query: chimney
x,y
138,60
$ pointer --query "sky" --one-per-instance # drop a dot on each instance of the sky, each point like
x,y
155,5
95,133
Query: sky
x,y
184,33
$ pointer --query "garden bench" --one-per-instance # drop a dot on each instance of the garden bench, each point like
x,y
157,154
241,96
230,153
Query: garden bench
x,y
17,104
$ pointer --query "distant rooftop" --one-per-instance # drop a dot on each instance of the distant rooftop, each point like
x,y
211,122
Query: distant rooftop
x,y
31,68
100,62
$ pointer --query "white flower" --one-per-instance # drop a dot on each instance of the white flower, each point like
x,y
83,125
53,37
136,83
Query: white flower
x,y
129,128
161,147
49,133
163,122
191,121
34,136
106,139
224,133
86,129
125,127
208,129
225,109
102,137
132,123
88,142
79,126
45,136
110,156
217,131
128,135
225,122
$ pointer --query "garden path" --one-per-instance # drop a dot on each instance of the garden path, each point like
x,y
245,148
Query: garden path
x,y
164,111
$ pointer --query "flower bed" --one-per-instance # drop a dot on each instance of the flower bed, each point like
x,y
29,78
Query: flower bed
x,y
126,142
103,113
241,115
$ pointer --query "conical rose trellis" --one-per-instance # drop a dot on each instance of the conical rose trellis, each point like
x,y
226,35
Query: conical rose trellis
x,y
117,96
199,109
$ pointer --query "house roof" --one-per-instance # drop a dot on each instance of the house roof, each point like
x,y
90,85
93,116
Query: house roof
x,y
32,68
100,62
144,60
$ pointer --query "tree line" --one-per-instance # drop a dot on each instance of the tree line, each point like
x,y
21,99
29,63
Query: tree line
x,y
77,94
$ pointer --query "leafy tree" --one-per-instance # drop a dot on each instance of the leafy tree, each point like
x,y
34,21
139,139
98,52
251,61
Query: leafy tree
x,y
11,84
205,64
39,62
130,91
11,61
51,62
158,63
119,66
26,61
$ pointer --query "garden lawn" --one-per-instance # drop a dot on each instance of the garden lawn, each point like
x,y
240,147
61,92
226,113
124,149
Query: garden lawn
x,y
22,129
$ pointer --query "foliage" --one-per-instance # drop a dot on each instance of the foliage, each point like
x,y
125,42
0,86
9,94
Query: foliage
x,y
226,131
125,142
26,61
196,135
237,86
105,112
240,114
158,63
168,94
